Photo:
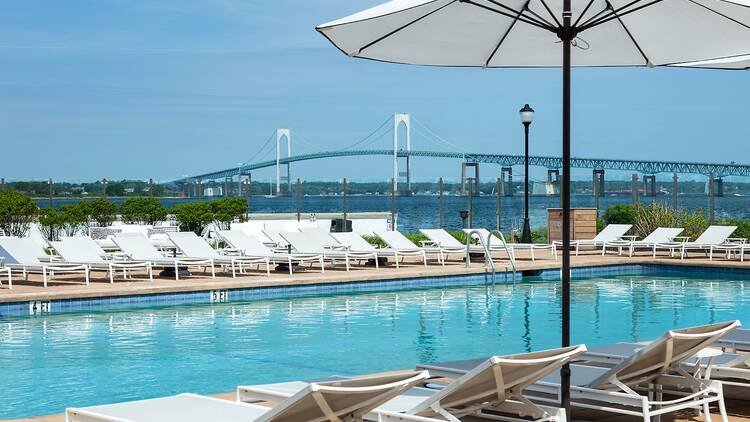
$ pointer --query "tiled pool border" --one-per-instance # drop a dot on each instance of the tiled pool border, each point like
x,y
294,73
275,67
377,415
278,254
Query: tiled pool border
x,y
27,308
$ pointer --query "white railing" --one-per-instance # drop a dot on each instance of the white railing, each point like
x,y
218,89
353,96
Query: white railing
x,y
488,262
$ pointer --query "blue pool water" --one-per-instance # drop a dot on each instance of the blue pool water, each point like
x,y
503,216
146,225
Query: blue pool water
x,y
78,359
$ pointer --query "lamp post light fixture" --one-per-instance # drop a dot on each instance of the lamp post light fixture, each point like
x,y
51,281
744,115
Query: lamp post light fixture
x,y
527,116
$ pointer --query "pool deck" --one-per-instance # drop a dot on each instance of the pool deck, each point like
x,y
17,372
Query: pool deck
x,y
71,286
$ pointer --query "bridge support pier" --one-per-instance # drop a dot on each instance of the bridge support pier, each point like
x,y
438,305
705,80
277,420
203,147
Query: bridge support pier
x,y
283,134
399,118
474,189
598,182
649,185
634,189
198,188
508,188
711,195
227,184
719,190
553,178
675,191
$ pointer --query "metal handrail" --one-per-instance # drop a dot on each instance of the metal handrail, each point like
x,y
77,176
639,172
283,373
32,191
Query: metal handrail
x,y
487,255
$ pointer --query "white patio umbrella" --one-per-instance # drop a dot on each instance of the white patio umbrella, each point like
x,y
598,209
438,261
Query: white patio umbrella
x,y
547,33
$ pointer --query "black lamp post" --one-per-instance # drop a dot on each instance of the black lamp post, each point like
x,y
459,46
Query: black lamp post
x,y
527,115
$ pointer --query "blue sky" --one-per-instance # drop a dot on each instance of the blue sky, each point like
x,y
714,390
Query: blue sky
x,y
163,88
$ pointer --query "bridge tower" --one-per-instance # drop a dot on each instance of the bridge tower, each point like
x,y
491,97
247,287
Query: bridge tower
x,y
282,134
399,118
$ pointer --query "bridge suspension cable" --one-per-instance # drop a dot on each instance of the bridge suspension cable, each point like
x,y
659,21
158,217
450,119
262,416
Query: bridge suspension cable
x,y
371,134
260,150
436,136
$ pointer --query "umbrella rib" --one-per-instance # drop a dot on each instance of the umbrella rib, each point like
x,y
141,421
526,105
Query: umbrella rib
x,y
632,38
544,3
359,51
616,14
505,35
522,18
585,9
595,17
719,13
538,19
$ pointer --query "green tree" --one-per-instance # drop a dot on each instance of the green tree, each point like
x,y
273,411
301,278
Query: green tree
x,y
51,223
75,219
100,210
743,227
694,223
115,189
619,214
227,210
143,211
17,212
193,216
649,218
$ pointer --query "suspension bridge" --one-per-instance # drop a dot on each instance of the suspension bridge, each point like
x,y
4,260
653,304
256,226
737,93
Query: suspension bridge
x,y
402,153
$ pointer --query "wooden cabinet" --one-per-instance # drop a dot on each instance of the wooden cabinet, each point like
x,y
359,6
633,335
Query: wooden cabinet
x,y
582,223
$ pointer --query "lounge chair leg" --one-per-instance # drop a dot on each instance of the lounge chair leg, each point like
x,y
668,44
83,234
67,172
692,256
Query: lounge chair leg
x,y
176,272
150,273
377,267
290,266
532,254
112,274
234,273
268,268
213,270
86,271
424,259
44,276
322,266
346,260
723,408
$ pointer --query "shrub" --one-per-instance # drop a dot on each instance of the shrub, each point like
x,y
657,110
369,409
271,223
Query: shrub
x,y
694,223
143,211
50,223
374,240
100,210
193,216
655,215
17,212
415,237
227,210
743,227
539,235
74,218
460,235
619,214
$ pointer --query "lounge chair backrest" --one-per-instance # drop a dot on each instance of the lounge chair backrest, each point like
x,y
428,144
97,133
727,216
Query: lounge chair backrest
x,y
612,232
496,379
715,235
192,245
442,238
320,236
306,242
354,241
275,235
484,233
396,240
345,400
79,249
662,235
249,245
368,226
19,250
136,246
251,228
662,355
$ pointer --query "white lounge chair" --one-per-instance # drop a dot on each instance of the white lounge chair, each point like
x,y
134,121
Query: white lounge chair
x,y
397,242
495,384
84,250
608,234
318,243
347,400
191,245
354,242
252,247
439,238
497,244
732,369
7,271
736,341
137,247
20,255
637,385
713,237
660,235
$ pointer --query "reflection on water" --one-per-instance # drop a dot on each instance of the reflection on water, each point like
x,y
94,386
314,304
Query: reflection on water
x,y
89,358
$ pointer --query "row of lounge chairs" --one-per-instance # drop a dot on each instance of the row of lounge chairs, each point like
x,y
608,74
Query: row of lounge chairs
x,y
660,377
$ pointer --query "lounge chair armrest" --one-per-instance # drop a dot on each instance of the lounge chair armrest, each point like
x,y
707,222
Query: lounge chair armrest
x,y
131,264
230,251
429,243
740,240
681,239
194,261
629,237
66,267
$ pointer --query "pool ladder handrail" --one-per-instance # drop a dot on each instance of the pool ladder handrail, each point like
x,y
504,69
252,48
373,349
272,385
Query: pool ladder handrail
x,y
487,255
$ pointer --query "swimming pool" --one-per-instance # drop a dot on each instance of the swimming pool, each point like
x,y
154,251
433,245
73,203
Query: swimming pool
x,y
85,358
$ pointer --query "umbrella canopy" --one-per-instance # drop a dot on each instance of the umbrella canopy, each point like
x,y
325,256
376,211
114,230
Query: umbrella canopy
x,y
726,63
548,33
526,33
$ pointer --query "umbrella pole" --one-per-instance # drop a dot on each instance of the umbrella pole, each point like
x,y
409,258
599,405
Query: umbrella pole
x,y
565,371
